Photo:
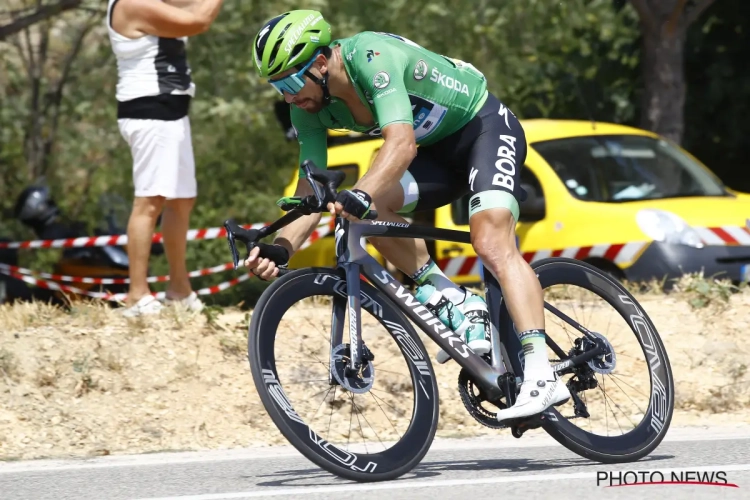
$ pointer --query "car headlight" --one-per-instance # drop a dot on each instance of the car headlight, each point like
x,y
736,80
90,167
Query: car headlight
x,y
667,227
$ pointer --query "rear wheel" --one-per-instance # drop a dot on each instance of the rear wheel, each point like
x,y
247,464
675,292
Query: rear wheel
x,y
624,398
334,423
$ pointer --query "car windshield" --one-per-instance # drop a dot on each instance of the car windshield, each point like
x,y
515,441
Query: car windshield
x,y
619,168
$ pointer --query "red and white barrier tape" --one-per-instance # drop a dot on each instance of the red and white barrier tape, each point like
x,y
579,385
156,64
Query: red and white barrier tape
x,y
49,281
318,233
122,239
51,285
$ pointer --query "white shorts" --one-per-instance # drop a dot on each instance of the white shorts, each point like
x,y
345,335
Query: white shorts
x,y
163,162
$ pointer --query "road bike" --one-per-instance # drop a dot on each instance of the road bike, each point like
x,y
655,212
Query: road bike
x,y
359,283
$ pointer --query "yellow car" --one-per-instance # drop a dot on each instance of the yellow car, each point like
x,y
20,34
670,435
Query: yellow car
x,y
621,198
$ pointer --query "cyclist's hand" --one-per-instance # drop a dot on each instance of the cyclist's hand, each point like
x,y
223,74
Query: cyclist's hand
x,y
262,267
351,204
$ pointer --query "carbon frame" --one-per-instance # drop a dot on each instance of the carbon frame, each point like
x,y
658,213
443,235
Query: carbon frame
x,y
355,261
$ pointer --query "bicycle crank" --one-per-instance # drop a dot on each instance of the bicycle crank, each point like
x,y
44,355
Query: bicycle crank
x,y
473,396
358,383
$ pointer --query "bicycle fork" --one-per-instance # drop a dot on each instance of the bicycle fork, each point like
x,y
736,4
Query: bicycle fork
x,y
340,306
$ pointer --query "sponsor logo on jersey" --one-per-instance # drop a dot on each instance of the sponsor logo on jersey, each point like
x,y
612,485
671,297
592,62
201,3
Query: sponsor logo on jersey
x,y
449,82
420,70
389,91
350,55
371,54
506,163
381,80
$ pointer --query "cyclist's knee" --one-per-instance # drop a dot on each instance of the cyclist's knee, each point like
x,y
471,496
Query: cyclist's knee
x,y
492,220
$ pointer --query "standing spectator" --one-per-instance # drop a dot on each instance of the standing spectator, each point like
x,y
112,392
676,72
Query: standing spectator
x,y
154,90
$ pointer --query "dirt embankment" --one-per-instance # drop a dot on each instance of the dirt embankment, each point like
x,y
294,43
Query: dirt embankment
x,y
90,382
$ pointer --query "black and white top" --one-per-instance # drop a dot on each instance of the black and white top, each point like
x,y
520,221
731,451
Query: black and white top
x,y
154,79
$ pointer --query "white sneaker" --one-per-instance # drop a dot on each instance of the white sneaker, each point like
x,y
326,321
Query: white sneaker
x,y
535,397
191,302
146,305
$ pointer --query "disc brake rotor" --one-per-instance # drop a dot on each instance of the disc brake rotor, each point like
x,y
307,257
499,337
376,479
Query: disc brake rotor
x,y
605,363
359,383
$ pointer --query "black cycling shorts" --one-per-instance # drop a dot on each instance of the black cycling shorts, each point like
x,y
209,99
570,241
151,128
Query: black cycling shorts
x,y
484,158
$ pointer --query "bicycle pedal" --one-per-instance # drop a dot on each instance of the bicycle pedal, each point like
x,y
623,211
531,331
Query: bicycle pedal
x,y
520,426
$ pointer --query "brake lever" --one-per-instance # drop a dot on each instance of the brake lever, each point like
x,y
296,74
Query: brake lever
x,y
236,232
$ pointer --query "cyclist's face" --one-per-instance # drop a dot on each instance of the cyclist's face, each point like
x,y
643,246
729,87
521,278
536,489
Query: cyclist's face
x,y
310,96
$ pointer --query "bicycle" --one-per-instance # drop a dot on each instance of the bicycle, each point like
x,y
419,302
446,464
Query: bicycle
x,y
358,282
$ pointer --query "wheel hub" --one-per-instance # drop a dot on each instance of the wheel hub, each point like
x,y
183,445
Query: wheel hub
x,y
604,363
358,383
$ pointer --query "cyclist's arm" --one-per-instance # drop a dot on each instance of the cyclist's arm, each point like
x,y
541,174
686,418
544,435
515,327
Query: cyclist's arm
x,y
394,115
313,145
312,137
147,17
295,234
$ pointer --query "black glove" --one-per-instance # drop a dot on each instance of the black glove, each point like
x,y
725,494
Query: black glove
x,y
355,201
276,253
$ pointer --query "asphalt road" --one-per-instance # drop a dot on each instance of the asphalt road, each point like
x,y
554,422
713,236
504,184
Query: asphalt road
x,y
486,468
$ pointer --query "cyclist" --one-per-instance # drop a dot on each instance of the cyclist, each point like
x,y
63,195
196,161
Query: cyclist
x,y
385,85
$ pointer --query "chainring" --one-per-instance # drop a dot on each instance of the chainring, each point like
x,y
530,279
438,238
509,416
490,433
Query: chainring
x,y
473,402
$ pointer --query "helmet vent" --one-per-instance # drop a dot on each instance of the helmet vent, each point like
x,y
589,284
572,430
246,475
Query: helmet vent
x,y
274,53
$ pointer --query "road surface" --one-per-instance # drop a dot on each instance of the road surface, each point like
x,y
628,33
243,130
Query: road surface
x,y
486,468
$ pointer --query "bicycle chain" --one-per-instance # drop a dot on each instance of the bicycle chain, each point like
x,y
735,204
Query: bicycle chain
x,y
479,413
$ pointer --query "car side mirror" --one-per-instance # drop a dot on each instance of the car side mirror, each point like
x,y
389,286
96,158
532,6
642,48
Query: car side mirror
x,y
533,208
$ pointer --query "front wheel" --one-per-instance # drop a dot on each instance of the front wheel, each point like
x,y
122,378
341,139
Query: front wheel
x,y
623,399
334,423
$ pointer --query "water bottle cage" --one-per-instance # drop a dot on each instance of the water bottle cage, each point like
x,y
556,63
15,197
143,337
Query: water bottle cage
x,y
435,309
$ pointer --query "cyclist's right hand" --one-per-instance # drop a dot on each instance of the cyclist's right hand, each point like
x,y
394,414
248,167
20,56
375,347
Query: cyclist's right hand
x,y
266,268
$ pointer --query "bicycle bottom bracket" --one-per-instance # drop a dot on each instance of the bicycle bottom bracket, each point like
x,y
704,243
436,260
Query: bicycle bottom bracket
x,y
473,396
358,383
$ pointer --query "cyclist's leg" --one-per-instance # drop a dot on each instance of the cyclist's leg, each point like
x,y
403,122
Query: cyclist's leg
x,y
426,185
495,162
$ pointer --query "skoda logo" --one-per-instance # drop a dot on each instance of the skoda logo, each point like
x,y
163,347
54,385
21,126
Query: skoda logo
x,y
420,70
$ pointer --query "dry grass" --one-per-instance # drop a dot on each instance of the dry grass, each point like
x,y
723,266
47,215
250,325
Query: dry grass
x,y
89,381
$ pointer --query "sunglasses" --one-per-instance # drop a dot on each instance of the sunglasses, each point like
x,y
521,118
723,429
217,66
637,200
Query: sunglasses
x,y
292,84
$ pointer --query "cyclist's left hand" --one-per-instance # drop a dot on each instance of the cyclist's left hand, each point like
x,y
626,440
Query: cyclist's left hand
x,y
351,204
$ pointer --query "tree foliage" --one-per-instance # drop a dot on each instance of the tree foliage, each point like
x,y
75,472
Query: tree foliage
x,y
578,59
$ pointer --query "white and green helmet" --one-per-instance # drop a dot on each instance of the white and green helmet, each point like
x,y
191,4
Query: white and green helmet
x,y
288,40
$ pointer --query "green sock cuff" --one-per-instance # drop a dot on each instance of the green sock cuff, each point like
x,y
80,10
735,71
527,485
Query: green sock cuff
x,y
531,335
424,272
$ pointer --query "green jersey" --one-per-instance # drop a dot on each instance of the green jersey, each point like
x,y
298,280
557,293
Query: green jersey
x,y
400,82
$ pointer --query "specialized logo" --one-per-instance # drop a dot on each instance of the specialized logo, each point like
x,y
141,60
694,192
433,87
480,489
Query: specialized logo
x,y
309,20
449,82
506,163
420,70
381,80
262,34
472,177
503,111
371,55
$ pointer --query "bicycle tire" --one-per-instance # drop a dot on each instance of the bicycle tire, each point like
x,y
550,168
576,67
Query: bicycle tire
x,y
413,445
649,433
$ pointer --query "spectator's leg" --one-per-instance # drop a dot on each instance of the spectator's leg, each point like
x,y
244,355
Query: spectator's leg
x,y
176,221
175,225
140,231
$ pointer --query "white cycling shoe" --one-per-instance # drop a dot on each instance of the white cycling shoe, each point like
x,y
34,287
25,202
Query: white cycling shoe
x,y
535,397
